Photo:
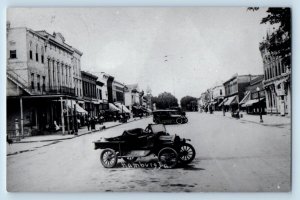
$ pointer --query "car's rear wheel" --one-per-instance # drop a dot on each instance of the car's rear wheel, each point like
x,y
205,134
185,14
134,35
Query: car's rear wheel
x,y
187,153
168,157
108,158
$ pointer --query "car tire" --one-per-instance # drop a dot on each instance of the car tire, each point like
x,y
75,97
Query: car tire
x,y
168,157
179,121
186,153
108,158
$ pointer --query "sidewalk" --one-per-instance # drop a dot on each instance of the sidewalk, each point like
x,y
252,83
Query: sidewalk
x,y
268,120
81,131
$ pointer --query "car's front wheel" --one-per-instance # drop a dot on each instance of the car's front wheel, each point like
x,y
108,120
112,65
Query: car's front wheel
x,y
187,153
108,158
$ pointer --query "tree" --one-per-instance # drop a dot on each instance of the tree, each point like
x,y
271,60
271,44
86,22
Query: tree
x,y
165,100
188,103
278,43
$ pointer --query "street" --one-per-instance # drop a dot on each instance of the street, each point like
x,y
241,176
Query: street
x,y
231,155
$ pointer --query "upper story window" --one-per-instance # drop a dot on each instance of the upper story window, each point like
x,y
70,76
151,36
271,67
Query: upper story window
x,y
36,53
42,54
30,50
13,54
32,80
38,79
44,83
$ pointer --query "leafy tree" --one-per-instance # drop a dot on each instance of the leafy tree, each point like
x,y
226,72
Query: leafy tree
x,y
278,43
188,103
165,100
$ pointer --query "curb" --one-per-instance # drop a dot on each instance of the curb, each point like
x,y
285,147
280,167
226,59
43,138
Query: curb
x,y
259,123
75,136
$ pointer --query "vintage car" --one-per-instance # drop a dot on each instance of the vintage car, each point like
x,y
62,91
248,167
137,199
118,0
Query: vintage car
x,y
169,117
135,143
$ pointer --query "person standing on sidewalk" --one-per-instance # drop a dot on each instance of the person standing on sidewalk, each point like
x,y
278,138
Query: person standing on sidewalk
x,y
88,122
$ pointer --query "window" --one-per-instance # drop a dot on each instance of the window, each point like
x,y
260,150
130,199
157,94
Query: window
x,y
44,84
13,54
30,54
36,54
100,93
38,79
220,91
32,81
30,50
42,55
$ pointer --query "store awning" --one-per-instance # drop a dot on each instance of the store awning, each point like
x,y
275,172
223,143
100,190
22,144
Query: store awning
x,y
113,108
221,104
213,103
122,108
79,109
251,102
246,98
230,101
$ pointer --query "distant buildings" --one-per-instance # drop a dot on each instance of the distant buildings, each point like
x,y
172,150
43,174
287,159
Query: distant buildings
x,y
252,102
235,89
89,92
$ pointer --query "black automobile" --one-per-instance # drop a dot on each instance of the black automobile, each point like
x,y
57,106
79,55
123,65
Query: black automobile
x,y
169,117
138,142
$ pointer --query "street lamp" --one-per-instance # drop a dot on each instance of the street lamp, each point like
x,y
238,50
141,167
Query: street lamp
x,y
260,114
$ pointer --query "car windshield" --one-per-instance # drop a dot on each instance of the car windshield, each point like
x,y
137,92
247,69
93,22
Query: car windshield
x,y
156,128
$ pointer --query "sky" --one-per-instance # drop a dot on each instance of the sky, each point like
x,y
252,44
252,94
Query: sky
x,y
182,50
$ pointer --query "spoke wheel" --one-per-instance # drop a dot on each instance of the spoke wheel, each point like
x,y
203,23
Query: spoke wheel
x,y
108,158
187,153
168,157
179,121
130,159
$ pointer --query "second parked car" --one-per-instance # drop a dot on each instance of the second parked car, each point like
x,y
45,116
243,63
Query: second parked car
x,y
169,117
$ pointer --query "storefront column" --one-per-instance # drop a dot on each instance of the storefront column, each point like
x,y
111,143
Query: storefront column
x,y
289,101
62,116
21,117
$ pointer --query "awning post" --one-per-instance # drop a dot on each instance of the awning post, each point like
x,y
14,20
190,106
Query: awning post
x,y
62,116
68,121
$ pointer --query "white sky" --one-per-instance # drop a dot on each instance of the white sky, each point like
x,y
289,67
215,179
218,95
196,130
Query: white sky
x,y
183,50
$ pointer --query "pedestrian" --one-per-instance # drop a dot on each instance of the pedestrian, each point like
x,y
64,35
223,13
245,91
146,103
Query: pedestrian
x,y
93,123
88,122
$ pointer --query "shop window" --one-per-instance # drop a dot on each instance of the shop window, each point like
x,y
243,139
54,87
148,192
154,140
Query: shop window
x,y
13,54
